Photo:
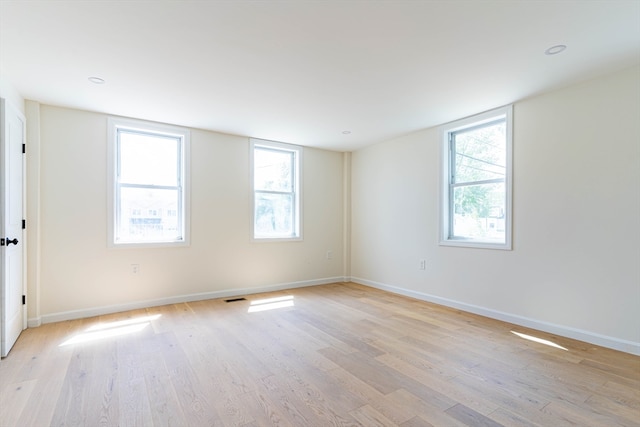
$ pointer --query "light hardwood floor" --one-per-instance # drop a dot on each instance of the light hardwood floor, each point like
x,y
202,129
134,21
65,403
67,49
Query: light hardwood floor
x,y
341,354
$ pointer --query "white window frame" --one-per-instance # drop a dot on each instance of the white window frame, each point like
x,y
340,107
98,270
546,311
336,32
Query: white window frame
x,y
184,135
446,213
297,188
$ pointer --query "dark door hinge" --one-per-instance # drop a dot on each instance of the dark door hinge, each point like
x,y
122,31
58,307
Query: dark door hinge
x,y
24,148
24,299
24,224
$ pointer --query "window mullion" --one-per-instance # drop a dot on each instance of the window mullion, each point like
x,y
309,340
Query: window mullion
x,y
472,183
150,186
275,192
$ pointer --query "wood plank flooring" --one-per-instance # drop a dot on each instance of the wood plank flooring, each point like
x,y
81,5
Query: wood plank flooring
x,y
332,355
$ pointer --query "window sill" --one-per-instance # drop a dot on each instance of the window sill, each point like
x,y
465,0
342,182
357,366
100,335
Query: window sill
x,y
148,245
462,243
275,239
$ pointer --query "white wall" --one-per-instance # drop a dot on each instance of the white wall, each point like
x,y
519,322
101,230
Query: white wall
x,y
80,275
574,270
11,94
575,267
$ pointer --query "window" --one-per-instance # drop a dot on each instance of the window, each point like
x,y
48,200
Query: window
x,y
476,177
148,190
275,180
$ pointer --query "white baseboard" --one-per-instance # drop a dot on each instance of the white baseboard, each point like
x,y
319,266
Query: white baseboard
x,y
34,322
565,331
578,334
98,311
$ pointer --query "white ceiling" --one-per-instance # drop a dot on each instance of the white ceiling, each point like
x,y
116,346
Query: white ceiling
x,y
305,71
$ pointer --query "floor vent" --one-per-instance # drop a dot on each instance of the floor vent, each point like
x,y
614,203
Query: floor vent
x,y
235,299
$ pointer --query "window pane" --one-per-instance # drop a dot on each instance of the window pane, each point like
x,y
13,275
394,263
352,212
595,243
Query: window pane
x,y
148,159
148,215
479,212
273,215
272,170
480,153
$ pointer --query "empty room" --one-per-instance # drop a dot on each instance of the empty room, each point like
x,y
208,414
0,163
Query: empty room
x,y
320,213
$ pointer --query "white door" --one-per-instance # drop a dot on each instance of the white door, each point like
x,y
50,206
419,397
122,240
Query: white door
x,y
12,130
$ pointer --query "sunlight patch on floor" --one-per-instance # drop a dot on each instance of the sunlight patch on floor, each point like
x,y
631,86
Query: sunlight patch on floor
x,y
111,329
271,303
538,340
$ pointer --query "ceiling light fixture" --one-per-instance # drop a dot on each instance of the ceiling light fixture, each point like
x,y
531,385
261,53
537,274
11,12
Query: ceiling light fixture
x,y
96,80
554,50
346,132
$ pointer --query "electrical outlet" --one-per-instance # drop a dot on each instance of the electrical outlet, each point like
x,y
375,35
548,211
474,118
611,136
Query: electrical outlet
x,y
423,264
329,255
135,268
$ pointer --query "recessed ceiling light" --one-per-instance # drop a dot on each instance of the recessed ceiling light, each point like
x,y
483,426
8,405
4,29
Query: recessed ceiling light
x,y
554,50
346,132
96,80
